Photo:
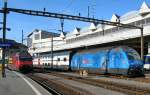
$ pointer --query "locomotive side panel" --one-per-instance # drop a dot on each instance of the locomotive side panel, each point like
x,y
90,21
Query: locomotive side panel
x,y
117,61
93,61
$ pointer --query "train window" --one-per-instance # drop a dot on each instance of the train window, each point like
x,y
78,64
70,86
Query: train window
x,y
65,59
130,57
147,60
45,64
36,36
58,59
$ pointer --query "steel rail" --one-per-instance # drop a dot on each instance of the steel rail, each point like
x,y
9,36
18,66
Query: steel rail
x,y
131,90
49,89
63,89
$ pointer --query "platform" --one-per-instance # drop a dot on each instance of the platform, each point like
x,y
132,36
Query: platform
x,y
18,84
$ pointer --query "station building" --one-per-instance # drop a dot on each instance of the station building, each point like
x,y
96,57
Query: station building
x,y
40,41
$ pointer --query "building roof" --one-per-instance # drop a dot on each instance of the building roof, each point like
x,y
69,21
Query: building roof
x,y
76,31
144,9
32,32
115,18
129,15
50,33
93,26
62,35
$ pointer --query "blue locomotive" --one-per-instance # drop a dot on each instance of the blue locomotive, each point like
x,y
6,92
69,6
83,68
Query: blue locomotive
x,y
112,60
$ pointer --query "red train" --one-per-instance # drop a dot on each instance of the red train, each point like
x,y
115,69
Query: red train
x,y
21,61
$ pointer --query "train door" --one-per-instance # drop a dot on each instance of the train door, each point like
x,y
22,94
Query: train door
x,y
113,61
70,58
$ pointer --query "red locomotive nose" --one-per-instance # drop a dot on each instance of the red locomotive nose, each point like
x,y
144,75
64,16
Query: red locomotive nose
x,y
22,61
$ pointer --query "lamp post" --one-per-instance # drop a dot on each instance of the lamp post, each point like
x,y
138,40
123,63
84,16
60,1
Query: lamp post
x,y
142,44
52,52
22,37
4,37
103,26
52,41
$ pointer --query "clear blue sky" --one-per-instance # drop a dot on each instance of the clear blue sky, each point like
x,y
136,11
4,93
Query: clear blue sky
x,y
103,10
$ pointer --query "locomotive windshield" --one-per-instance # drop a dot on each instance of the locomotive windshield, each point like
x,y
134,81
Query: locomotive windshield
x,y
25,58
133,55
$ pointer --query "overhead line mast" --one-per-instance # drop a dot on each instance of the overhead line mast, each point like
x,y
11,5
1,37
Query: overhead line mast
x,y
4,38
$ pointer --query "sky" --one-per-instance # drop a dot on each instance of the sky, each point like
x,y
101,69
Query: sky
x,y
101,9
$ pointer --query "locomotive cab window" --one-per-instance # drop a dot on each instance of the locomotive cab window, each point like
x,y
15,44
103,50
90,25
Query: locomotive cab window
x,y
133,55
58,59
25,58
65,59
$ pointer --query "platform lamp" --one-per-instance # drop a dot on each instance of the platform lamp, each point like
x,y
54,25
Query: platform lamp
x,y
142,43
103,26
52,40
52,46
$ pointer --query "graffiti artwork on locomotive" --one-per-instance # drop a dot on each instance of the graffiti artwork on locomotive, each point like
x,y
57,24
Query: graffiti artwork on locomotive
x,y
115,60
120,60
21,61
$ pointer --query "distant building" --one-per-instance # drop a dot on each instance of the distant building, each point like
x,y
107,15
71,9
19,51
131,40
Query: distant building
x,y
39,34
42,39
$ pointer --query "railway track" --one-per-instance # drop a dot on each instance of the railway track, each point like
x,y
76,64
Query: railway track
x,y
144,79
57,88
130,90
45,85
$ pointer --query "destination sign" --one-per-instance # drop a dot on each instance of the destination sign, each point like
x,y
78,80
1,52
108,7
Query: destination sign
x,y
5,44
